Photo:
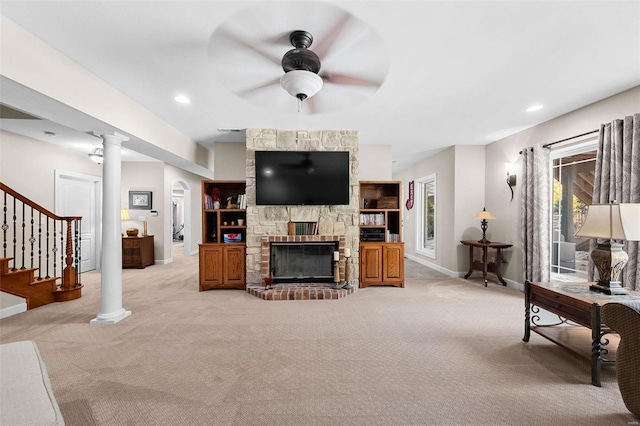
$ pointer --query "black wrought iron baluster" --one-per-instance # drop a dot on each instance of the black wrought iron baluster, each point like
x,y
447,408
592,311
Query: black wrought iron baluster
x,y
5,227
39,246
54,250
78,255
62,247
47,256
23,225
15,239
32,239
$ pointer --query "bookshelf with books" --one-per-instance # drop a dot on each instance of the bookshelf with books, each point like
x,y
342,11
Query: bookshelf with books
x,y
224,232
381,246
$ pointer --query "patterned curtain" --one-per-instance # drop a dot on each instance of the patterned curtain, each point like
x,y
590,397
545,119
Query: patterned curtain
x,y
534,214
618,179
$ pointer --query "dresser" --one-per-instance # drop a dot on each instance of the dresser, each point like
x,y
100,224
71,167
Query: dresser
x,y
137,252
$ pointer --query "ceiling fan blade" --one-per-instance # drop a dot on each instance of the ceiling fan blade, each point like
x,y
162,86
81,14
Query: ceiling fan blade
x,y
345,79
329,40
225,33
275,81
309,105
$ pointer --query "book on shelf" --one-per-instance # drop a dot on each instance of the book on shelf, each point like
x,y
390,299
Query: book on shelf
x,y
303,228
208,201
372,219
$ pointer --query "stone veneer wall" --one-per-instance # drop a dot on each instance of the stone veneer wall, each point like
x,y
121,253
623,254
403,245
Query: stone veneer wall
x,y
272,220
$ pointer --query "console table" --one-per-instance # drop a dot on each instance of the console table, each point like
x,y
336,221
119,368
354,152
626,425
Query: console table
x,y
579,327
484,265
137,252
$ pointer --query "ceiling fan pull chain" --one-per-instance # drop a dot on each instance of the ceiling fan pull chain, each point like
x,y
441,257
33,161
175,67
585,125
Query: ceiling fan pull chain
x,y
299,104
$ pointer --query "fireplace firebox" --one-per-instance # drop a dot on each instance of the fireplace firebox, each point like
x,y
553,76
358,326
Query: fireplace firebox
x,y
302,262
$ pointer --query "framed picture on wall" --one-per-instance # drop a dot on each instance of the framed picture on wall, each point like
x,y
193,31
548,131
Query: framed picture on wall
x,y
140,200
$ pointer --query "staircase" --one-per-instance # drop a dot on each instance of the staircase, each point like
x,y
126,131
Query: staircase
x,y
36,243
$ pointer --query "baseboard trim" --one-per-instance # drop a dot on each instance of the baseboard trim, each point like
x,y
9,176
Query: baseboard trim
x,y
454,274
438,268
11,304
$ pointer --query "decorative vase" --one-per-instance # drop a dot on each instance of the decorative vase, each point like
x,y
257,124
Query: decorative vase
x,y
216,205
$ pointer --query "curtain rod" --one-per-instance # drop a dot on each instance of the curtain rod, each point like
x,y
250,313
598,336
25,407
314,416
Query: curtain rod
x,y
547,145
568,139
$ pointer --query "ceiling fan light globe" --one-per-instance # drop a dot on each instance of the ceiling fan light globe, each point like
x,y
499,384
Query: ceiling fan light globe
x,y
299,83
97,155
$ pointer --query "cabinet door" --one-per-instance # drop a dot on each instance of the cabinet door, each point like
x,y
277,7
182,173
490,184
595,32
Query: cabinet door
x,y
393,260
234,266
210,266
370,263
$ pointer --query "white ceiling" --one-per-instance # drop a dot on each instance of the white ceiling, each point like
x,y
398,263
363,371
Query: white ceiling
x,y
453,72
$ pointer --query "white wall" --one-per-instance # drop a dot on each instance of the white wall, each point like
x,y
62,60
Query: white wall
x,y
230,160
442,165
375,162
469,199
147,176
507,227
28,166
194,209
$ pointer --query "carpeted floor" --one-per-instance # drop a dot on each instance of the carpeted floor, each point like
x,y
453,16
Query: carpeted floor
x,y
442,351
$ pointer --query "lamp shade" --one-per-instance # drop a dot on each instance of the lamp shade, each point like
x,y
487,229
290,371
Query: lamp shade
x,y
124,214
301,84
484,214
612,222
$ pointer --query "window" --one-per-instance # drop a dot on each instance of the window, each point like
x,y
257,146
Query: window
x,y
426,224
573,174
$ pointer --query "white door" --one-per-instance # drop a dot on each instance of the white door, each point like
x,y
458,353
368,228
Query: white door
x,y
78,195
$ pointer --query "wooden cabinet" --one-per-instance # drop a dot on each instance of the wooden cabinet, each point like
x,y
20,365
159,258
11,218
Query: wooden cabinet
x,y
381,264
137,252
222,266
381,246
224,232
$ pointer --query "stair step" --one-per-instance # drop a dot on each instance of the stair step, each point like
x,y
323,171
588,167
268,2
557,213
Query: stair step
x,y
11,304
4,264
37,292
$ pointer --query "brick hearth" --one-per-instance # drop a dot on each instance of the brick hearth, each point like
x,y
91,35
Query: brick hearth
x,y
300,292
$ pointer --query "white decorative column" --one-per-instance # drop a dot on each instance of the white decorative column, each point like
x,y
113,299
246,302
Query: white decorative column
x,y
111,310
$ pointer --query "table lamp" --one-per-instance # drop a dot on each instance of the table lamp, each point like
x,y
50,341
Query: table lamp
x,y
484,215
611,222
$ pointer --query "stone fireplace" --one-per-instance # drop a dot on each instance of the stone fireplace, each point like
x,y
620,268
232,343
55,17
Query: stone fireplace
x,y
337,224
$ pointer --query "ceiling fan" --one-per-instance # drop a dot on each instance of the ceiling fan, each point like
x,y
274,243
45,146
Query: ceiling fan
x,y
337,61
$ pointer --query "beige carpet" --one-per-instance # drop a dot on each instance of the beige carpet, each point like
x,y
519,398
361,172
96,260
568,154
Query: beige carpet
x,y
441,351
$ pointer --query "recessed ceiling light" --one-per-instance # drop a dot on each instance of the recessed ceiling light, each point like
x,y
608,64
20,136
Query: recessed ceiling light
x,y
534,108
182,99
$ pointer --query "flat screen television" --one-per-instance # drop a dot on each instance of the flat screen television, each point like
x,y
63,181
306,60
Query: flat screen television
x,y
302,177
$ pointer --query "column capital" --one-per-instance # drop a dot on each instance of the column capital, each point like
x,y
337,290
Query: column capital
x,y
117,135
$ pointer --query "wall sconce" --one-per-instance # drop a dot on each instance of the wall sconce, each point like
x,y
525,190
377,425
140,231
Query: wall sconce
x,y
511,177
97,155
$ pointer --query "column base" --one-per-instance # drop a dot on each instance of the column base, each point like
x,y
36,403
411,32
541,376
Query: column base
x,y
110,319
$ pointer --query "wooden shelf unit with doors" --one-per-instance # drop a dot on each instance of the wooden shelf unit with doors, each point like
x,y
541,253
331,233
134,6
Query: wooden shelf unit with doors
x,y
381,246
224,233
